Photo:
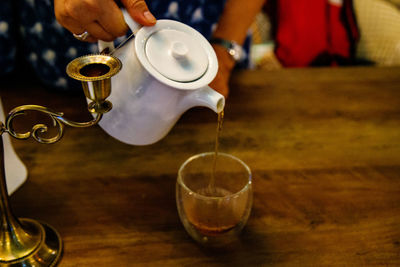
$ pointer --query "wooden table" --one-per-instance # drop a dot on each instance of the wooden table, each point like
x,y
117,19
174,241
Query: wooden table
x,y
323,145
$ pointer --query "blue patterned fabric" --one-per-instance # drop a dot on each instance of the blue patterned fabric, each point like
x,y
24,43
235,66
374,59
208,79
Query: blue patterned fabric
x,y
7,38
48,47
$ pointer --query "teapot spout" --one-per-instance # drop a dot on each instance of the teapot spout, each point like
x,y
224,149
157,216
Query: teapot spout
x,y
205,97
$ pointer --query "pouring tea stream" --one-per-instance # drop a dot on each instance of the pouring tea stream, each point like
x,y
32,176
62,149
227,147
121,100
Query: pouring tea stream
x,y
166,71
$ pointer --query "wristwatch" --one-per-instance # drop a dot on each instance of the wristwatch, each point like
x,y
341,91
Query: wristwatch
x,y
234,49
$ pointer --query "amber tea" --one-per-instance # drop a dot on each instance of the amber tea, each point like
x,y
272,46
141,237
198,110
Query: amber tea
x,y
211,186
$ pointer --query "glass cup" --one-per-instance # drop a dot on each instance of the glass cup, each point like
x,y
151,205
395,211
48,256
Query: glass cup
x,y
214,197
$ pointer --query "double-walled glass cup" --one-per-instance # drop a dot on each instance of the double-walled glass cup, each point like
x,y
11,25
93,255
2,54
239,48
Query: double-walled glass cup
x,y
214,197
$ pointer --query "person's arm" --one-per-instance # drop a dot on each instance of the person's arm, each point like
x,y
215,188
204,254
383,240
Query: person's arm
x,y
233,25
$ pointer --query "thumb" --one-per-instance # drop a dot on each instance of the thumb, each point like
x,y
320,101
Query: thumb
x,y
139,12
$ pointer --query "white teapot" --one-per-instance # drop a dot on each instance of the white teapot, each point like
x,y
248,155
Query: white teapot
x,y
166,70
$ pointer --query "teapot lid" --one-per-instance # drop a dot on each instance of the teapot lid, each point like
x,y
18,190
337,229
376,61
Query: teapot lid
x,y
176,54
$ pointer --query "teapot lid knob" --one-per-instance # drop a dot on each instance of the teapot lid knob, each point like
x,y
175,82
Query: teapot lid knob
x,y
179,50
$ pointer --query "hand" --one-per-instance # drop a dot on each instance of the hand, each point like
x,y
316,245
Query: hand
x,y
102,19
225,66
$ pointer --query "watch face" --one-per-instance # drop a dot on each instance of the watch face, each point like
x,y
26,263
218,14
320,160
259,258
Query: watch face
x,y
236,51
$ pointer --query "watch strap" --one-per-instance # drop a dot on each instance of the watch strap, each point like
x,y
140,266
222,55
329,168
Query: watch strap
x,y
233,48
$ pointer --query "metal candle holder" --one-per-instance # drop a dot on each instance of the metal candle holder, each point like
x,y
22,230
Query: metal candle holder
x,y
26,242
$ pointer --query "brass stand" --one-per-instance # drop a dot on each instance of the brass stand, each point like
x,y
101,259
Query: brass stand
x,y
26,242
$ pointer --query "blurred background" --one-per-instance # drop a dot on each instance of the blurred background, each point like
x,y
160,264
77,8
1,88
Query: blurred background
x,y
286,33
377,22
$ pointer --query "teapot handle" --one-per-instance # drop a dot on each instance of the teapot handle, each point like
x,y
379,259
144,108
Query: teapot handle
x,y
133,26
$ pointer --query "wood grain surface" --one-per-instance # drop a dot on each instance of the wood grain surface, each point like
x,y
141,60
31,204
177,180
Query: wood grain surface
x,y
323,145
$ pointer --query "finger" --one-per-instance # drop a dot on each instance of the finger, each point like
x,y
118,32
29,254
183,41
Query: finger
x,y
73,26
66,20
71,17
112,20
83,11
96,30
72,14
139,12
91,39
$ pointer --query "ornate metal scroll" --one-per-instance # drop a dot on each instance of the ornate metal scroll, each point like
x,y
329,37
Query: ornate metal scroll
x,y
39,130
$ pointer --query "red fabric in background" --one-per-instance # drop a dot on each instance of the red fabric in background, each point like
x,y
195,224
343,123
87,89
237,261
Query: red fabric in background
x,y
301,31
306,30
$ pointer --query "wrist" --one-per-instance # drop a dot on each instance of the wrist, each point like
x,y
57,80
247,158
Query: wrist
x,y
232,48
225,60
